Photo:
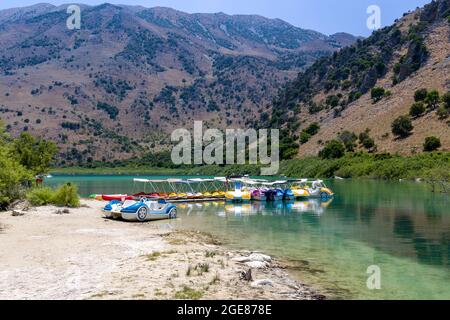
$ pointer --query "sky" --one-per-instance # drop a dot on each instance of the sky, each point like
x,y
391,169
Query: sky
x,y
326,16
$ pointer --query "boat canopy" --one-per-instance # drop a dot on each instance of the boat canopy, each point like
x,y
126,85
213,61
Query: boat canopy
x,y
198,180
298,180
148,181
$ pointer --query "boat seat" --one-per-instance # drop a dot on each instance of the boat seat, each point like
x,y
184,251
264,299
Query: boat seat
x,y
153,206
128,203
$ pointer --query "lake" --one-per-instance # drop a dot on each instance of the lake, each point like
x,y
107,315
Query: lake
x,y
400,227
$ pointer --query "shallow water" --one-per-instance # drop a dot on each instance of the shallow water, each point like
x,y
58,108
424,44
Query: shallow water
x,y
402,228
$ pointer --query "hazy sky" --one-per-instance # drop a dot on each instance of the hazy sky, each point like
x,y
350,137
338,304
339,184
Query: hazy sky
x,y
326,16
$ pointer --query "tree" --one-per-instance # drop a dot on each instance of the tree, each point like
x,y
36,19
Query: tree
x,y
377,93
313,129
431,144
433,99
333,150
402,126
369,144
35,155
12,174
349,140
417,109
304,137
12,177
420,95
366,141
332,101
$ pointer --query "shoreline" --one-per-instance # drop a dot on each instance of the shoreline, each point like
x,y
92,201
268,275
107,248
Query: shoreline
x,y
48,254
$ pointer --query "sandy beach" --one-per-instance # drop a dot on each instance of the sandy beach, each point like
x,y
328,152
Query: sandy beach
x,y
48,254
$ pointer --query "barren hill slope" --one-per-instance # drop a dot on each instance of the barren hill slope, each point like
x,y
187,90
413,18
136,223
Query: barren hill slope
x,y
118,86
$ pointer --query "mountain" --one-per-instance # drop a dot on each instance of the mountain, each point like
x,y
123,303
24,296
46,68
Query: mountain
x,y
334,95
119,86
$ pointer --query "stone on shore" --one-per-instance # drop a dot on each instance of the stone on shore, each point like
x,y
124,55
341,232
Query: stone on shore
x,y
253,257
257,264
18,213
261,283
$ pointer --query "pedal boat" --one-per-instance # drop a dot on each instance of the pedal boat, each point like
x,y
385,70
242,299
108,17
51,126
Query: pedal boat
x,y
259,195
318,190
238,195
140,211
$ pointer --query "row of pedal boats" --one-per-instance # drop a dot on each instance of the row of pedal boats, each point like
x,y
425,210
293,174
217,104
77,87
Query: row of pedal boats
x,y
238,189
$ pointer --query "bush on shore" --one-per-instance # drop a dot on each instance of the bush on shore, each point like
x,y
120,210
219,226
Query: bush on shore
x,y
40,196
64,196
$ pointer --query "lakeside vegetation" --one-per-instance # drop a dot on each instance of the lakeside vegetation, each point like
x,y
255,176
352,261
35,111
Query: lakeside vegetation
x,y
351,165
373,166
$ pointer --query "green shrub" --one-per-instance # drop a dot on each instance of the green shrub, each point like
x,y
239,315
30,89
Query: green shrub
x,y
417,109
369,144
348,139
366,141
66,196
420,95
402,126
313,129
433,99
304,137
40,196
333,150
442,113
431,144
377,93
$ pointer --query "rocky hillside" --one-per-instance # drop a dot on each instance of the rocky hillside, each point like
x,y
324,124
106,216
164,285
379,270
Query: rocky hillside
x,y
118,86
361,90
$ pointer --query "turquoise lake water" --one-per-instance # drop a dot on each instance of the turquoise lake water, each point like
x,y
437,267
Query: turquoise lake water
x,y
401,227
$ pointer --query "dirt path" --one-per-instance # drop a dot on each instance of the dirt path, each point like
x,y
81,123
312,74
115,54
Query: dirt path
x,y
80,255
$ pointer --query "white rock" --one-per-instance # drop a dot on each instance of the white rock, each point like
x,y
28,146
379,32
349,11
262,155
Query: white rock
x,y
256,264
253,257
261,283
260,257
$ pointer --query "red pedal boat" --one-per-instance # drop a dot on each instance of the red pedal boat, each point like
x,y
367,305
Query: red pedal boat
x,y
118,197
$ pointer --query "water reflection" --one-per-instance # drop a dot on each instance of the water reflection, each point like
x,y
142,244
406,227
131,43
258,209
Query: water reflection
x,y
280,208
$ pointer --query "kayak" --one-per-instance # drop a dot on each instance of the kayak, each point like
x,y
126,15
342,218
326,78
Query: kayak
x,y
118,197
